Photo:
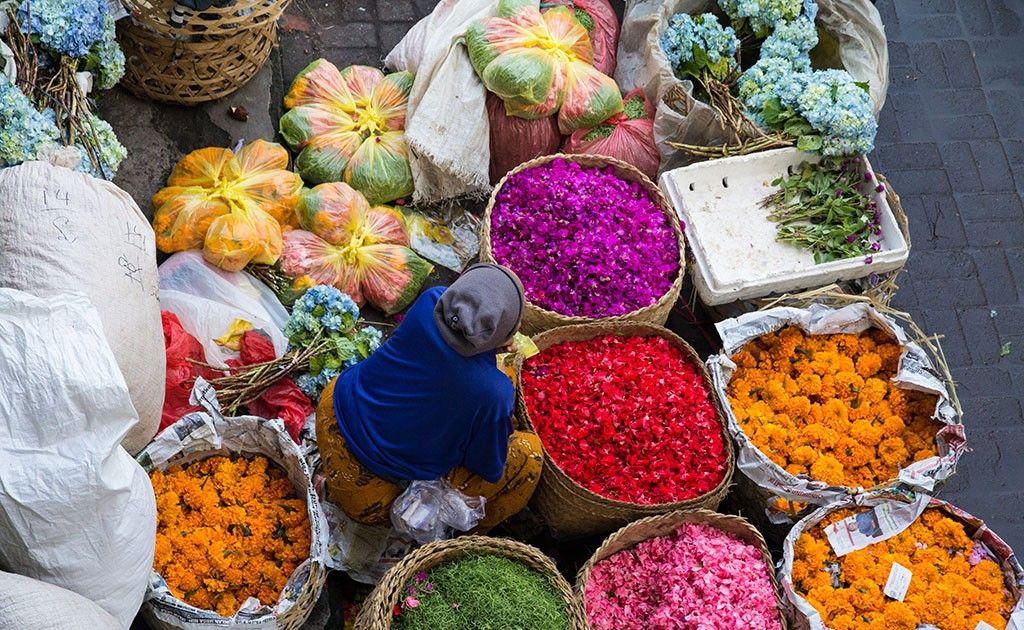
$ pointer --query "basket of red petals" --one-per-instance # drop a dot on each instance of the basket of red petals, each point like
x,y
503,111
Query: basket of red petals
x,y
630,423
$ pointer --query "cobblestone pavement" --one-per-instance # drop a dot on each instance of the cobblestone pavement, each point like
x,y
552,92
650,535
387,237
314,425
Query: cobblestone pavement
x,y
951,141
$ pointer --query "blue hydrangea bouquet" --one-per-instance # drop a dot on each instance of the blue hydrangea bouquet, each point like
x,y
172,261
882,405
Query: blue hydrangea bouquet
x,y
60,47
325,336
779,100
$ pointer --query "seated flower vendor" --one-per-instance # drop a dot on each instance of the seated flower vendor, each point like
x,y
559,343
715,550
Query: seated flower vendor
x,y
432,403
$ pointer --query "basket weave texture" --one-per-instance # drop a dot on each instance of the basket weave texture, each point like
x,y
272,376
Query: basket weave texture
x,y
572,511
234,16
664,525
201,62
537,319
376,613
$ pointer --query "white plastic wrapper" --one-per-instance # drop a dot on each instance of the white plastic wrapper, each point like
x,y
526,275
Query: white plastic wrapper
x,y
205,434
915,372
207,300
431,510
902,509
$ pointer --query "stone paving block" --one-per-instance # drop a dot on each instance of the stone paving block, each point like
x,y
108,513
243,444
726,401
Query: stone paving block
x,y
961,167
999,61
939,225
994,233
350,35
931,27
1008,110
986,206
972,127
927,60
953,102
958,59
922,181
397,10
997,280
919,155
390,34
981,381
993,166
980,333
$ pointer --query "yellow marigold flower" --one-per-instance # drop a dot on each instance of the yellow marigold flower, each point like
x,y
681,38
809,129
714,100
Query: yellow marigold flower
x,y
866,433
828,469
868,364
241,533
892,451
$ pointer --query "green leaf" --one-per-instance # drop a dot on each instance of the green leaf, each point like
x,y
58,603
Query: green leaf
x,y
316,364
1005,349
797,127
863,85
772,111
809,143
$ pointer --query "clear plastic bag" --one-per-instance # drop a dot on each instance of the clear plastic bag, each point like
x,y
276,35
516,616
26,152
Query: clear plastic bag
x,y
431,510
208,300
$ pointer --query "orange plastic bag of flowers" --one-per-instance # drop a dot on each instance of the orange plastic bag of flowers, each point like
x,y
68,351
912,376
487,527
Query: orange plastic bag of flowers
x,y
628,136
598,17
362,250
516,140
231,206
540,64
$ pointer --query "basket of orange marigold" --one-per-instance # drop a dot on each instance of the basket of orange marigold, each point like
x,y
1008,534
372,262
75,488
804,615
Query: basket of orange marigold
x,y
826,402
240,534
900,561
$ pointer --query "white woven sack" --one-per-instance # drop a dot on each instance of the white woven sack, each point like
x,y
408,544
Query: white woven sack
x,y
27,603
62,231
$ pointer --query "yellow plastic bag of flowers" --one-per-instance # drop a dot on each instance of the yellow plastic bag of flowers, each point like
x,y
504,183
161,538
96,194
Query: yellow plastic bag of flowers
x,y
900,561
350,126
241,538
362,250
542,63
826,402
233,207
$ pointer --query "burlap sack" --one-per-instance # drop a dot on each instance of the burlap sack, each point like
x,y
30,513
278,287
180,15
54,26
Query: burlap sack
x,y
852,38
65,232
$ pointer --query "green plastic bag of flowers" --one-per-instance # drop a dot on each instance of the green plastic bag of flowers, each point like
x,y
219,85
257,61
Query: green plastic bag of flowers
x,y
540,64
349,125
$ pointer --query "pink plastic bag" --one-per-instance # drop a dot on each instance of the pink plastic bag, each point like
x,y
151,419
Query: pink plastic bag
x,y
516,140
628,136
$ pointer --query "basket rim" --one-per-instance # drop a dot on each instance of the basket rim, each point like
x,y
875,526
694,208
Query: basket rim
x,y
308,595
376,613
633,329
667,523
218,20
591,160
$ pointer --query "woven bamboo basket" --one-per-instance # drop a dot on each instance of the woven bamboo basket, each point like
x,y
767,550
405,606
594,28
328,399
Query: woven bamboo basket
x,y
200,68
572,511
376,613
537,319
234,16
664,525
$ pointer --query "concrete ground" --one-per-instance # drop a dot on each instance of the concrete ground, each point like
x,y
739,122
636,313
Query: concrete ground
x,y
951,141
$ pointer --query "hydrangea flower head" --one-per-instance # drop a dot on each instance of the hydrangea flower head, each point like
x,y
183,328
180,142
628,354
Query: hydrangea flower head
x,y
68,27
109,56
840,109
24,131
693,43
772,77
792,41
763,15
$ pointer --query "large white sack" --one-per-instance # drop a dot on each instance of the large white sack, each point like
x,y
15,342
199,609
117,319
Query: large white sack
x,y
30,604
76,510
65,232
207,300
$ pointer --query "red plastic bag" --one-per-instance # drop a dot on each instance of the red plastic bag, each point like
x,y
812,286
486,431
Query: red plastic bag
x,y
181,374
283,399
628,136
602,24
516,140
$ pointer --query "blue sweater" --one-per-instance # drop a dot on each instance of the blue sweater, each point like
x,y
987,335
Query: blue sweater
x,y
416,408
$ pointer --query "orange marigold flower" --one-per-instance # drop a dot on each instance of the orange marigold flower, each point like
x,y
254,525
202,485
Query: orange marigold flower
x,y
228,528
892,451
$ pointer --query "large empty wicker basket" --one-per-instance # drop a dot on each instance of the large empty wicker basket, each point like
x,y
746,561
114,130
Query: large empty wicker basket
x,y
216,52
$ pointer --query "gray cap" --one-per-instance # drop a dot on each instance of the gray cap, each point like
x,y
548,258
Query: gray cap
x,y
482,310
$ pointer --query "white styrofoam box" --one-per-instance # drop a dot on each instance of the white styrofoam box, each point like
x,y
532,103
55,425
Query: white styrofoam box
x,y
733,243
